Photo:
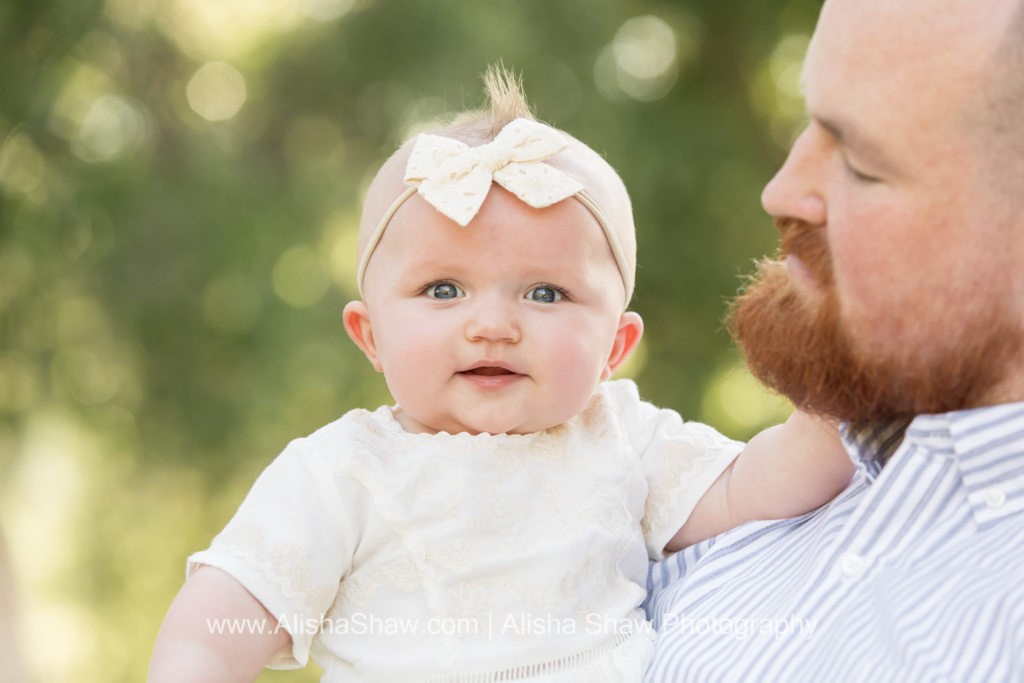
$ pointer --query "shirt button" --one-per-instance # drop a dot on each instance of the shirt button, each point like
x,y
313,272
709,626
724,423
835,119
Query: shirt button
x,y
995,497
853,566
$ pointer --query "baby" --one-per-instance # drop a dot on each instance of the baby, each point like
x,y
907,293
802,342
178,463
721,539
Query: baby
x,y
496,524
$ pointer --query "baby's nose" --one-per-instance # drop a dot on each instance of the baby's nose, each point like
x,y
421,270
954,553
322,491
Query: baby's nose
x,y
493,319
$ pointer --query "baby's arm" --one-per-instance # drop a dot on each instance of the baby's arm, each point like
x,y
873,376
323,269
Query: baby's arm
x,y
784,471
190,649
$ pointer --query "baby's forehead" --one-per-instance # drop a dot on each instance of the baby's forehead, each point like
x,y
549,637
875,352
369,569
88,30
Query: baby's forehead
x,y
508,244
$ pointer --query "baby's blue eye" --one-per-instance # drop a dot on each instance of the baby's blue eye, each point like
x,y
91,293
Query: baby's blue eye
x,y
545,295
444,290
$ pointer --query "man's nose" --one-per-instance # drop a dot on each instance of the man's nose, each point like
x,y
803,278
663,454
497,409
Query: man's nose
x,y
796,191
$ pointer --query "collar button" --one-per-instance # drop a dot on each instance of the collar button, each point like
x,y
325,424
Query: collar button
x,y
995,497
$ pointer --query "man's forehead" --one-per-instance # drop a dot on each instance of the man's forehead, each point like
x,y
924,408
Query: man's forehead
x,y
887,64
914,32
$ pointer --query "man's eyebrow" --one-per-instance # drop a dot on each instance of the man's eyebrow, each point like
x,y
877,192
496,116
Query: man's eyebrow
x,y
861,145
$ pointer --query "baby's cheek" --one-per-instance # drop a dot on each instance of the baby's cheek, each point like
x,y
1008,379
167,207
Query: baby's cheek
x,y
578,370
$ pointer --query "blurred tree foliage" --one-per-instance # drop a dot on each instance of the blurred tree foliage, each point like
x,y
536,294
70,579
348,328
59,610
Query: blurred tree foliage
x,y
180,182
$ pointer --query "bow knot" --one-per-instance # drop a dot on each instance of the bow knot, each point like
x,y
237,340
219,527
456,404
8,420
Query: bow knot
x,y
455,178
492,157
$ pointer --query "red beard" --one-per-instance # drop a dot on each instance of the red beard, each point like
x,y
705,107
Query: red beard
x,y
799,346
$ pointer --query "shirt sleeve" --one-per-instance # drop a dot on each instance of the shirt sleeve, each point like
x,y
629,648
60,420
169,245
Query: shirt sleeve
x,y
290,544
681,460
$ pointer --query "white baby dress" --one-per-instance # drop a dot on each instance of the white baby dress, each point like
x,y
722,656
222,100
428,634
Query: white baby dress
x,y
391,556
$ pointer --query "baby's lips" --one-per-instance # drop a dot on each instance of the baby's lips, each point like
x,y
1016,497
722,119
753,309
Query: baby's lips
x,y
490,368
489,371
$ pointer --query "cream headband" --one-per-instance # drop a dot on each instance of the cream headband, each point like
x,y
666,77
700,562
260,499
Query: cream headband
x,y
455,179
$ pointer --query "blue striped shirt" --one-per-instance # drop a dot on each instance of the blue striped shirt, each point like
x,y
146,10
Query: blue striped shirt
x,y
914,573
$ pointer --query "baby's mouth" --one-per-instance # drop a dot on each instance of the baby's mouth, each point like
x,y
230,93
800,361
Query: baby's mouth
x,y
488,371
491,377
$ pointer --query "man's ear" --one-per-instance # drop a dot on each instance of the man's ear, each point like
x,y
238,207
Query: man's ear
x,y
631,328
357,324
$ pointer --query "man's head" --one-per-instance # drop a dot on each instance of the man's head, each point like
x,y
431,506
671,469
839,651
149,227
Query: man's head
x,y
901,290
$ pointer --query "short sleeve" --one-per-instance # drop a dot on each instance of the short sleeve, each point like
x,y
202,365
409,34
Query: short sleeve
x,y
290,543
681,460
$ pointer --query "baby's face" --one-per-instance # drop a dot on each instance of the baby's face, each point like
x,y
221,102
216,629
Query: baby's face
x,y
503,326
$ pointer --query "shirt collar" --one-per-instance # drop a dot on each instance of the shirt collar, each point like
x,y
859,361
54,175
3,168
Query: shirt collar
x,y
986,443
871,445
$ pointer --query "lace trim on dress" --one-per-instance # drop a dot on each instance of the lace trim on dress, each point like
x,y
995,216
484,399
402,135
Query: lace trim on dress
x,y
681,463
628,631
384,421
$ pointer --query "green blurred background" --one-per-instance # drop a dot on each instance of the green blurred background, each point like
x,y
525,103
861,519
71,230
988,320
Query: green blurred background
x,y
180,184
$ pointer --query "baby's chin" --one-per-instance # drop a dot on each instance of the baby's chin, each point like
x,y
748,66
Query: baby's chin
x,y
497,424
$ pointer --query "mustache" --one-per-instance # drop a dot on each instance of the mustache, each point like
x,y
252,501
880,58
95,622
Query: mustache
x,y
809,243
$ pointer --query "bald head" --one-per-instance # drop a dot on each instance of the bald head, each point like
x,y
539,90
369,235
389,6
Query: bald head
x,y
1006,104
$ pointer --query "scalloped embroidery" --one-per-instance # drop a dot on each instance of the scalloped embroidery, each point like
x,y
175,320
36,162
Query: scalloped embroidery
x,y
680,464
286,566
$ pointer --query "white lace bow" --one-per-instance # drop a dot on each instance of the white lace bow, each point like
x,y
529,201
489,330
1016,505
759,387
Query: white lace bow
x,y
455,178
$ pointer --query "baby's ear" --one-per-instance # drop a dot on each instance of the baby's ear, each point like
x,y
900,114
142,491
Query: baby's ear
x,y
631,329
357,324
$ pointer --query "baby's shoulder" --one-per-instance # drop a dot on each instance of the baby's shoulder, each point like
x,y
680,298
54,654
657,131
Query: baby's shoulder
x,y
358,422
356,436
619,391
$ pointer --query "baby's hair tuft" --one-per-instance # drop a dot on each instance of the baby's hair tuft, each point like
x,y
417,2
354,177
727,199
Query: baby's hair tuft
x,y
505,94
506,102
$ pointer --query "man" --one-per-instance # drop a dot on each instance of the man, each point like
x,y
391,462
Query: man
x,y
898,298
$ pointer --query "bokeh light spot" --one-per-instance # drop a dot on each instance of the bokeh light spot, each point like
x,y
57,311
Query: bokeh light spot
x,y
641,62
82,86
341,237
112,127
22,166
85,375
41,507
740,405
645,48
787,65
300,279
225,29
325,10
775,89
216,91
